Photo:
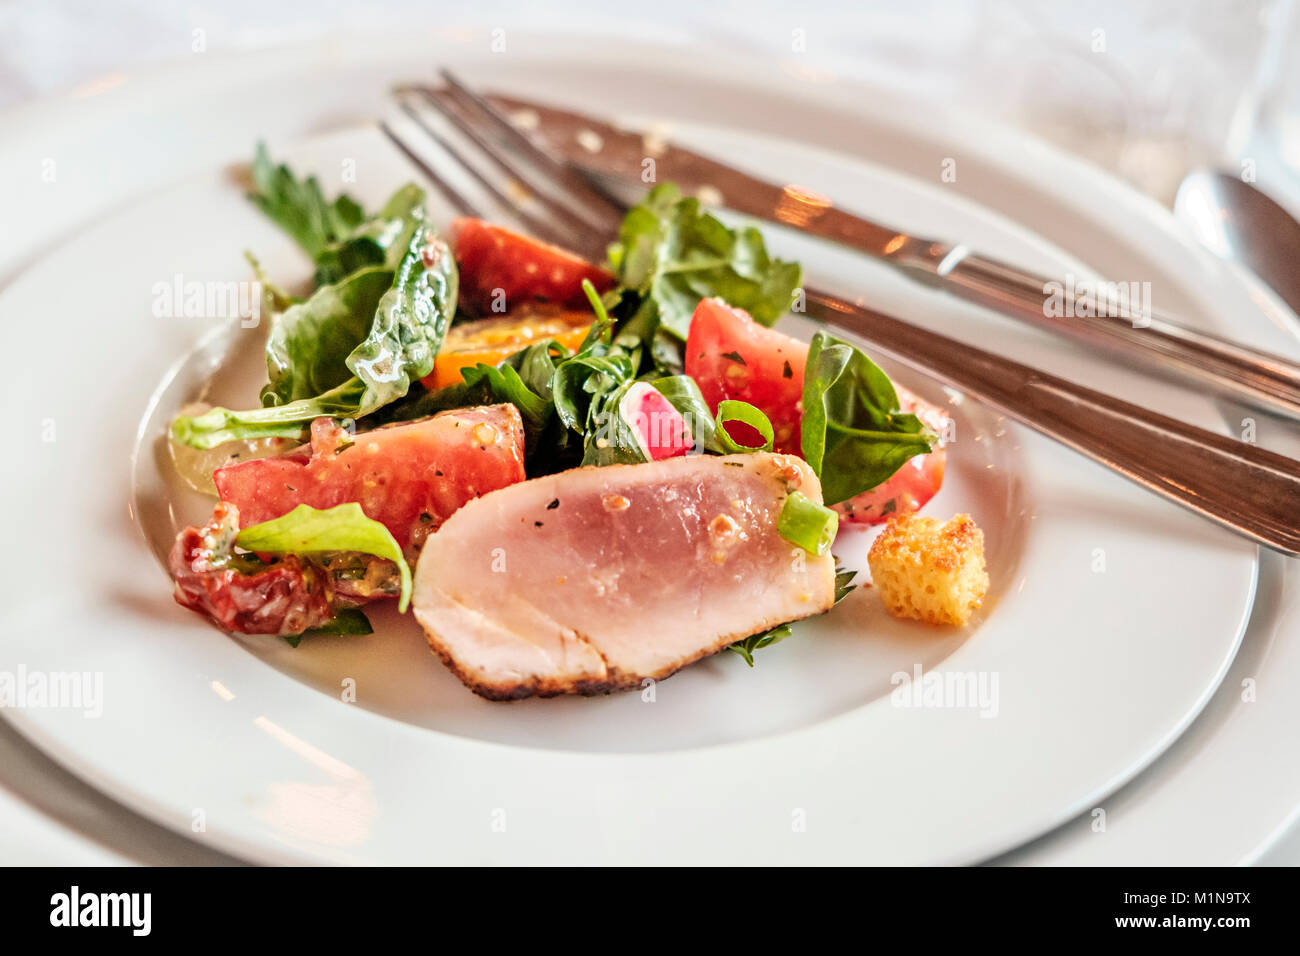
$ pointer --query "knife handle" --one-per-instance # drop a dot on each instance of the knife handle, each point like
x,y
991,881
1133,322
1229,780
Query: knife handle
x,y
1253,491
1133,332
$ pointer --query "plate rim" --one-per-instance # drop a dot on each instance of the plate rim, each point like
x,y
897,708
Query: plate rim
x,y
136,801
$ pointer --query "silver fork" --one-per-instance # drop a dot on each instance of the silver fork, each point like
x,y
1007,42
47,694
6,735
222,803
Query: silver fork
x,y
1238,485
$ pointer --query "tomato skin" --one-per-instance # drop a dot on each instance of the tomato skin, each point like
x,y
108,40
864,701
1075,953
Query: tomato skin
x,y
501,270
731,356
410,477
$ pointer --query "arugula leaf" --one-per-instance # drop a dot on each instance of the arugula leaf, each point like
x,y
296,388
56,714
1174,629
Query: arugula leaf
x,y
754,642
299,207
404,337
853,433
305,530
308,346
673,254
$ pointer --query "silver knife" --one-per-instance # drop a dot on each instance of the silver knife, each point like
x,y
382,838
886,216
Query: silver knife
x,y
616,160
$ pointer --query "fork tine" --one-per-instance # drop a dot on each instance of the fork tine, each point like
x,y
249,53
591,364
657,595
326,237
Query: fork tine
x,y
575,184
461,204
534,224
562,214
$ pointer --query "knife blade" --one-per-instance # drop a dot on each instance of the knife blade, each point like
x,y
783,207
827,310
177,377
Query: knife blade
x,y
625,162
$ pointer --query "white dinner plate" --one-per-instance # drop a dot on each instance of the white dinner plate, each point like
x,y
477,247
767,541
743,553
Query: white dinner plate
x,y
1111,620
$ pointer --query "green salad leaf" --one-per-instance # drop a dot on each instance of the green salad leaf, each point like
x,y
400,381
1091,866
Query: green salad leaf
x,y
410,322
754,642
844,585
405,330
853,433
379,241
299,207
306,530
672,254
309,343
347,620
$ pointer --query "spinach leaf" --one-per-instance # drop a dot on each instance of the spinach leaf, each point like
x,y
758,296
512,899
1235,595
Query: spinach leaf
x,y
309,343
854,434
305,530
673,254
381,240
410,322
299,207
404,337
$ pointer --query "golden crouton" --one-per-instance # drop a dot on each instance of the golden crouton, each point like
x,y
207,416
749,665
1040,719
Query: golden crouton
x,y
930,570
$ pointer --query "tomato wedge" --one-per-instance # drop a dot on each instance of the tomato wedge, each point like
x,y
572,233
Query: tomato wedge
x,y
409,477
488,341
731,356
501,270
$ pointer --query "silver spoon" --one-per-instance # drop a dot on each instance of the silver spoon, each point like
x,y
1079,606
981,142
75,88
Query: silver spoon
x,y
1239,223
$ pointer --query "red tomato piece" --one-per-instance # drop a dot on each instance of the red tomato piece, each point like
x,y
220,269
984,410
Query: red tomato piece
x,y
501,270
410,477
286,596
731,356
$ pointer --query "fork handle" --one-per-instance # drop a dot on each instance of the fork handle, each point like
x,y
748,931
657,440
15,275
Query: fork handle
x,y
1134,332
1239,485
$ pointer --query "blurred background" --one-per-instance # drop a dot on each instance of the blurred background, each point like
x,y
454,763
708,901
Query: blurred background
x,y
1147,89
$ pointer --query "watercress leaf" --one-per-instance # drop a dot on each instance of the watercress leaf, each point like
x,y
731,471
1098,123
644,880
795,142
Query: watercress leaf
x,y
854,435
305,530
309,343
673,254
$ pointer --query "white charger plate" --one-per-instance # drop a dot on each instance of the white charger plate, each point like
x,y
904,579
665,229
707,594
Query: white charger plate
x,y
1093,683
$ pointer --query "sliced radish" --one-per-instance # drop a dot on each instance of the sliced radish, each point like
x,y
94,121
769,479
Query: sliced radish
x,y
660,429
